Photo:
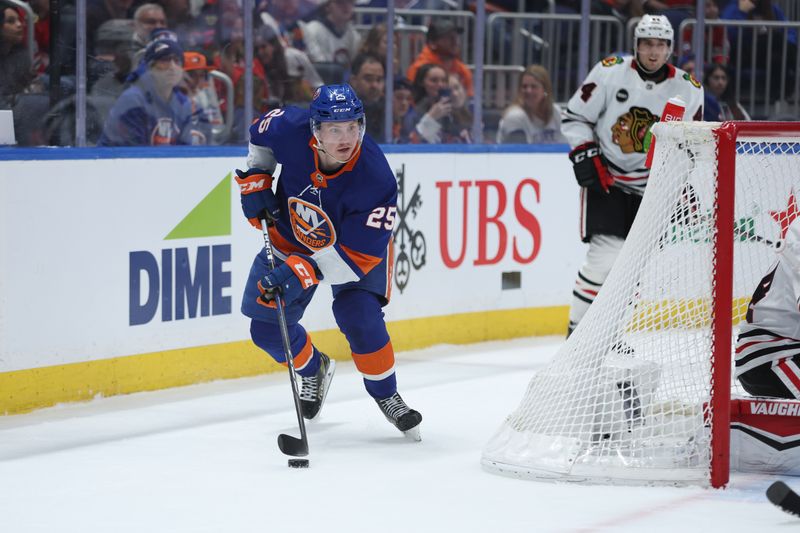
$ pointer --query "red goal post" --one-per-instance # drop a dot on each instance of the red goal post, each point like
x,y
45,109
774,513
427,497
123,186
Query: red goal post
x,y
641,392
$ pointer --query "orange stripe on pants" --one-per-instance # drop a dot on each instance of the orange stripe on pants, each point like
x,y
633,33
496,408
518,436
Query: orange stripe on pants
x,y
375,363
301,359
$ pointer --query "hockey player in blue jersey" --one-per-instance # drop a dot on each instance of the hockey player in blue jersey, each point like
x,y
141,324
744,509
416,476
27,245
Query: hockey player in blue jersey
x,y
331,217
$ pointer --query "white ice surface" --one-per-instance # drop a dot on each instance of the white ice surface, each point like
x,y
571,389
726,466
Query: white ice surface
x,y
204,459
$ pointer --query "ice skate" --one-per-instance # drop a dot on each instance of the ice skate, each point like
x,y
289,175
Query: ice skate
x,y
314,389
401,416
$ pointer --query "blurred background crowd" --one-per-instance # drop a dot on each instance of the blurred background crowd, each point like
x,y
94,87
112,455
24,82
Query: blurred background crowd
x,y
165,72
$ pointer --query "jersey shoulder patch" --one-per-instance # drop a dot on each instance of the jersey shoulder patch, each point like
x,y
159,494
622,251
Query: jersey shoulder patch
x,y
610,61
691,79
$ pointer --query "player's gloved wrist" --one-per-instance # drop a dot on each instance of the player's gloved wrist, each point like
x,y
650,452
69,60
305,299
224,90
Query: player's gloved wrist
x,y
258,200
590,168
296,275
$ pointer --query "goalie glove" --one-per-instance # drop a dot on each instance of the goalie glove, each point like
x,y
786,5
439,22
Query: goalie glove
x,y
590,169
296,275
258,200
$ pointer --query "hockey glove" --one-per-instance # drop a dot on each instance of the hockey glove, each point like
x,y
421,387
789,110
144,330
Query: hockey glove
x,y
590,169
258,200
298,274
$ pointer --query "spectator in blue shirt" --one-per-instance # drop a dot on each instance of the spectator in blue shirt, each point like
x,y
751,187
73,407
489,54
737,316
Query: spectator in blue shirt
x,y
153,111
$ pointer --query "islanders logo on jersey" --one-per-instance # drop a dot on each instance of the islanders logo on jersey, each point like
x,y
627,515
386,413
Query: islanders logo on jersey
x,y
164,132
311,225
611,61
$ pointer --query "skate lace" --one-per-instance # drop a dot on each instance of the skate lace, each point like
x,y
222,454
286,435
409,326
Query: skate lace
x,y
394,406
309,388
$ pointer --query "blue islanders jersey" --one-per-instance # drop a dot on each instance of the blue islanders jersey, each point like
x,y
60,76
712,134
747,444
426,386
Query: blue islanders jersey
x,y
343,220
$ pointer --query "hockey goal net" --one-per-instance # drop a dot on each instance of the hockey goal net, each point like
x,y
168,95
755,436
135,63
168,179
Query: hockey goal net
x,y
640,393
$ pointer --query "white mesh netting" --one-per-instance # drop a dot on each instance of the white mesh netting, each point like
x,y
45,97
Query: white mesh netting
x,y
627,398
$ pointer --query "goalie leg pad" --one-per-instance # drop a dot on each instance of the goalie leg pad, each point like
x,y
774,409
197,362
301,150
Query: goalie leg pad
x,y
765,435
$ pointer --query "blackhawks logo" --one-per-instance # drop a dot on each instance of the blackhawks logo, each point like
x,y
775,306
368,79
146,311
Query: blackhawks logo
x,y
611,61
630,130
691,79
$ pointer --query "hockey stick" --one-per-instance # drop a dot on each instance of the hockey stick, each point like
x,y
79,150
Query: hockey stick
x,y
781,495
289,445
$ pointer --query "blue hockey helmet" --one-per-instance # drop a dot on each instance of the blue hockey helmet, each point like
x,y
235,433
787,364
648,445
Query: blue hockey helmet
x,y
336,103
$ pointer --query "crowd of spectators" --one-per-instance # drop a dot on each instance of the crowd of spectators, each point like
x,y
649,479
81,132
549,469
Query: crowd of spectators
x,y
157,69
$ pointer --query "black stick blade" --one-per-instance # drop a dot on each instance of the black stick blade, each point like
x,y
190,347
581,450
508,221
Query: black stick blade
x,y
292,445
784,497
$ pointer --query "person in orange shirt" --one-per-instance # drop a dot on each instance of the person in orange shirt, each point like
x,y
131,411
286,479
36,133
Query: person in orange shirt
x,y
443,48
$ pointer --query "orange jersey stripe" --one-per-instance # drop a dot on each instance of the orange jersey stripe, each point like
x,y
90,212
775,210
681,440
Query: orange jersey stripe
x,y
364,261
390,270
375,363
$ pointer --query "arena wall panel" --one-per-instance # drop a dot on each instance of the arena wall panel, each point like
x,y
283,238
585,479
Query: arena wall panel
x,y
122,271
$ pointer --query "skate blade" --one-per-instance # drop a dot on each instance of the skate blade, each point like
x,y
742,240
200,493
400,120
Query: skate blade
x,y
327,381
413,434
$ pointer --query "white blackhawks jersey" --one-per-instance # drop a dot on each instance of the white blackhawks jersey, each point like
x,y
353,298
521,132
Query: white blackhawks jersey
x,y
615,108
772,330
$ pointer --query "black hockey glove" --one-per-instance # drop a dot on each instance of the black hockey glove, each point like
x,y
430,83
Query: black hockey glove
x,y
590,169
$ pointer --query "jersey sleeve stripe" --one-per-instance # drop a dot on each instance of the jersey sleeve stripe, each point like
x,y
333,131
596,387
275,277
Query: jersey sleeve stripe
x,y
364,262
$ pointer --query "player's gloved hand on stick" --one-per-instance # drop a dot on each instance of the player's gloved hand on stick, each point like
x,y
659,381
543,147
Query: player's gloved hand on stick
x,y
590,169
258,200
297,274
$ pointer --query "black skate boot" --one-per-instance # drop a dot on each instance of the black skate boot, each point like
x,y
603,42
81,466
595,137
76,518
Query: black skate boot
x,y
402,416
314,389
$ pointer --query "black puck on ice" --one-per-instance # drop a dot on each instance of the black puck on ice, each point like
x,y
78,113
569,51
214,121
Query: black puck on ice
x,y
298,463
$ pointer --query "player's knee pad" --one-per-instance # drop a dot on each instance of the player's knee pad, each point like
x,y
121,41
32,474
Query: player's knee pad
x,y
358,314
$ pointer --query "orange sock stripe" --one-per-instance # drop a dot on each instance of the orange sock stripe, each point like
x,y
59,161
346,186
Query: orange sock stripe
x,y
302,358
375,363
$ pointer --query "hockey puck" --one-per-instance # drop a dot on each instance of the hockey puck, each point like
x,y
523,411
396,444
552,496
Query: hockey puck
x,y
298,463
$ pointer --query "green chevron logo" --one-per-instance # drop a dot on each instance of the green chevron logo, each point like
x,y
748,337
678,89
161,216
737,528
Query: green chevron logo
x,y
209,218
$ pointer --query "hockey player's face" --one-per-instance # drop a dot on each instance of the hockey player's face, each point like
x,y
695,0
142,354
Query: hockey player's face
x,y
340,139
653,53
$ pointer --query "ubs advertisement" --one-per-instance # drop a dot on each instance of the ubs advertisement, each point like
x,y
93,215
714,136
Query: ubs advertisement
x,y
106,258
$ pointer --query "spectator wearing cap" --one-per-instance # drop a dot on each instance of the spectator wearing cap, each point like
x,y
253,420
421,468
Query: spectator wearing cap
x,y
206,111
443,47
368,80
112,56
153,111
146,18
333,38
